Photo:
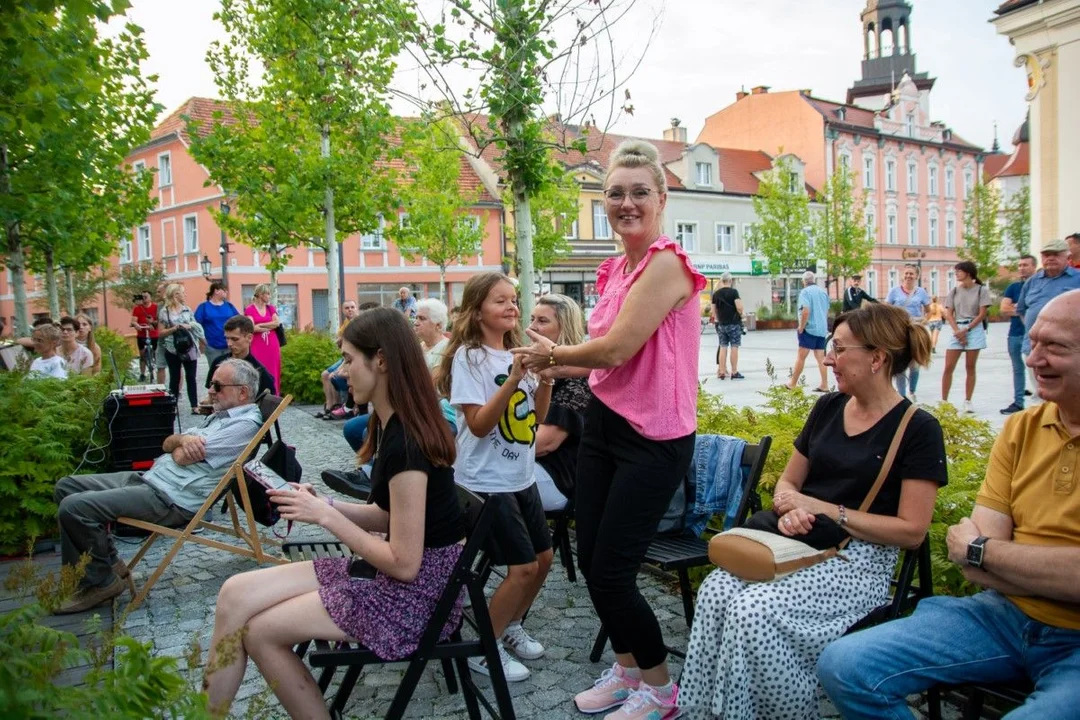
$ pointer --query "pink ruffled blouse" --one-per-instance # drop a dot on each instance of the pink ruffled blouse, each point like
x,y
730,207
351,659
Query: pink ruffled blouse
x,y
656,389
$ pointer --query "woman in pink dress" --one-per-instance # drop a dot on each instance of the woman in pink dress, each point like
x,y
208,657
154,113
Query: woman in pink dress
x,y
264,345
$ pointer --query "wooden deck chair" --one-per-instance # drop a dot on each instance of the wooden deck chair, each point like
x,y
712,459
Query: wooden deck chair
x,y
252,547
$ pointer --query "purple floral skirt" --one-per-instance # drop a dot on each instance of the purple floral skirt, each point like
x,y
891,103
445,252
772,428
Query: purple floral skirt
x,y
386,615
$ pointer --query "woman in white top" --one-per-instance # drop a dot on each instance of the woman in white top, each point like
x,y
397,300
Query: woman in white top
x,y
46,338
78,358
430,326
966,306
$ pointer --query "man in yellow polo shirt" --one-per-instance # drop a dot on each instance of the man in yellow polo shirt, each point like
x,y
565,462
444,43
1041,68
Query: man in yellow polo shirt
x,y
1021,544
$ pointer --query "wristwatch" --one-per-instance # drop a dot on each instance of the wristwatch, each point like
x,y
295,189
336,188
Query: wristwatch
x,y
975,551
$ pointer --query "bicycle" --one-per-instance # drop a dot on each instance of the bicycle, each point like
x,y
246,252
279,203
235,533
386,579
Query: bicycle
x,y
147,354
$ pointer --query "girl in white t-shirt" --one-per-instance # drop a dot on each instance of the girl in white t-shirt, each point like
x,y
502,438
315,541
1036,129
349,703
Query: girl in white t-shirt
x,y
499,405
46,339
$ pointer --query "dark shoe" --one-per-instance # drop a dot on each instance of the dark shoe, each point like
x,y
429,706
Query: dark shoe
x,y
355,484
821,389
738,376
1013,408
142,378
88,598
1027,393
721,376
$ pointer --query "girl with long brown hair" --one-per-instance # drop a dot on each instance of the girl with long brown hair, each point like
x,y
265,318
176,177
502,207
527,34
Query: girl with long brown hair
x,y
385,601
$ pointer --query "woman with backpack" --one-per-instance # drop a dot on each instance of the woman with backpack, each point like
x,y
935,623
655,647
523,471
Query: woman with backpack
x,y
180,334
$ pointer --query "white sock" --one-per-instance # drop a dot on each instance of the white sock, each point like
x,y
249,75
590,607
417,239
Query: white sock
x,y
514,625
633,673
664,692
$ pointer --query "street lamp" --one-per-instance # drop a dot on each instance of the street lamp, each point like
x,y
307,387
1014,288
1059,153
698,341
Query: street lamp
x,y
224,249
206,267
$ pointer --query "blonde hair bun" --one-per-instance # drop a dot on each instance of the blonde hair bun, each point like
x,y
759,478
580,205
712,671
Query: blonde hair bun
x,y
634,148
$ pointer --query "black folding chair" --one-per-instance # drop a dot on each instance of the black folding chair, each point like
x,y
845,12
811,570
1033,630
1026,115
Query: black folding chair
x,y
913,582
560,537
679,553
353,657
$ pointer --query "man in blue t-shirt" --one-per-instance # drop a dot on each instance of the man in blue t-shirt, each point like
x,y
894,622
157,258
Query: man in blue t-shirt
x,y
1056,278
813,314
1026,267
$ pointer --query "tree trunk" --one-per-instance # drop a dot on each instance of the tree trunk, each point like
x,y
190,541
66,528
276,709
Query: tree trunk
x,y
273,274
50,286
523,251
442,283
15,260
73,308
333,306
787,293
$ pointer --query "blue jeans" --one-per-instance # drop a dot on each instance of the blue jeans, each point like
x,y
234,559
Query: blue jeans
x,y
983,638
355,429
908,377
1016,343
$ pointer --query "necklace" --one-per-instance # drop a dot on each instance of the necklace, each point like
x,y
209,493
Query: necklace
x,y
378,441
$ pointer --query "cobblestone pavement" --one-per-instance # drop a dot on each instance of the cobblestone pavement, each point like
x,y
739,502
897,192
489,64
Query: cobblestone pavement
x,y
180,611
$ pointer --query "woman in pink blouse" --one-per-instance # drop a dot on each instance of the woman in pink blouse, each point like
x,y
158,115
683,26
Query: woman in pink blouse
x,y
264,344
638,440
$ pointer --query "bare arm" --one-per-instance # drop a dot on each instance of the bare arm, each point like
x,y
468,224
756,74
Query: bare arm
x,y
1008,307
543,399
663,286
549,438
482,418
739,305
268,326
804,317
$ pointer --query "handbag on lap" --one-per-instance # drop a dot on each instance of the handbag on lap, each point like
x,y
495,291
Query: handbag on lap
x,y
757,552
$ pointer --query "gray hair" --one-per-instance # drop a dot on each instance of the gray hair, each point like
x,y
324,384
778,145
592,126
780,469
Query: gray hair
x,y
725,278
243,373
436,310
808,278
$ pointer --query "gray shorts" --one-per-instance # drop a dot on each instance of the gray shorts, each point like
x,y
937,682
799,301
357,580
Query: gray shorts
x,y
729,335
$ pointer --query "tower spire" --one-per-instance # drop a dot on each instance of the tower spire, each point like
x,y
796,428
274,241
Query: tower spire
x,y
886,31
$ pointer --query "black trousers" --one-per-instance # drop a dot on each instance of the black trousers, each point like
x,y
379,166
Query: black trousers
x,y
174,362
625,483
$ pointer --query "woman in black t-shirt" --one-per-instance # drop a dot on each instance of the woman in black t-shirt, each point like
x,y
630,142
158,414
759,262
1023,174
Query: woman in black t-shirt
x,y
386,600
754,646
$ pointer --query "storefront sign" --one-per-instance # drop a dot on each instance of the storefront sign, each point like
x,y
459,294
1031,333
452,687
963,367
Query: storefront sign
x,y
736,265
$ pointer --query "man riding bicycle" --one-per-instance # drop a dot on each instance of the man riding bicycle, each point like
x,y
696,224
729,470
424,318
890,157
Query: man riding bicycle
x,y
144,320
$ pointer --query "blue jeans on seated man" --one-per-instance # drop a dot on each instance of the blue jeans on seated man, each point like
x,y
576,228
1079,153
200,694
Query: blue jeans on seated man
x,y
983,638
1016,343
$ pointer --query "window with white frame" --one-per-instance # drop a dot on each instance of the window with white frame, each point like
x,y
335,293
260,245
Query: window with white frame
x,y
933,173
164,161
125,251
139,166
871,226
191,234
912,177
950,233
913,230
146,251
403,220
950,281
910,123
868,172
793,182
469,221
600,226
894,278
569,227
969,182
890,229
871,283
704,173
933,234
845,161
375,240
686,236
890,175
725,238
934,283
747,235
950,178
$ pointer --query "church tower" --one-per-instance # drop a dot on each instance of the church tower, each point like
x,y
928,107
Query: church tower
x,y
887,55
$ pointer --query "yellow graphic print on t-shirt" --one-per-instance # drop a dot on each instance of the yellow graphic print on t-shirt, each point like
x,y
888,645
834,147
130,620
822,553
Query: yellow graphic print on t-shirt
x,y
518,422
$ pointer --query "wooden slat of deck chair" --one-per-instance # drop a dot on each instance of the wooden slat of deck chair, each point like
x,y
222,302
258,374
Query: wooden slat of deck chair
x,y
253,543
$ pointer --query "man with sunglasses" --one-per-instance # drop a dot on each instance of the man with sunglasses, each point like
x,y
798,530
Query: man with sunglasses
x,y
238,331
170,492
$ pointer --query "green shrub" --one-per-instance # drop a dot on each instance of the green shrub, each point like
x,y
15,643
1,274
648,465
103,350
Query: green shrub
x,y
967,447
303,359
119,345
47,424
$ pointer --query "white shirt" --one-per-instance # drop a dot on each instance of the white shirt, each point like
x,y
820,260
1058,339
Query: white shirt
x,y
503,460
434,355
80,359
51,367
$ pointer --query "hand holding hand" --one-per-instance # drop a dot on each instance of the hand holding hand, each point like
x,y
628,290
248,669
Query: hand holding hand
x,y
796,522
537,356
958,538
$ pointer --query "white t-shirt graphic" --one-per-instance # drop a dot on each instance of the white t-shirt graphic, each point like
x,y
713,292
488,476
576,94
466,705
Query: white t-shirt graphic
x,y
53,367
502,460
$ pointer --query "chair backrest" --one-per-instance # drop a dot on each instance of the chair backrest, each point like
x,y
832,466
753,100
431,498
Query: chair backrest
x,y
753,460
478,516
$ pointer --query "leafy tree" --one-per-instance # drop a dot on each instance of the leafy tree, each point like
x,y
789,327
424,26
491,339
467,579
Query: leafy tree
x,y
782,207
839,229
983,242
133,279
553,205
438,225
304,151
1017,231
525,55
72,105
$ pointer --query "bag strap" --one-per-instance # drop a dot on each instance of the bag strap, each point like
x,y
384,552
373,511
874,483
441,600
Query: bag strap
x,y
889,458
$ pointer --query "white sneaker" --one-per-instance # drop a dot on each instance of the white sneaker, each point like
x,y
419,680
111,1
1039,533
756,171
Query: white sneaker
x,y
968,407
512,669
521,643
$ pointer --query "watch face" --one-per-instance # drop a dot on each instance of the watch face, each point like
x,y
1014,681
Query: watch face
x,y
975,554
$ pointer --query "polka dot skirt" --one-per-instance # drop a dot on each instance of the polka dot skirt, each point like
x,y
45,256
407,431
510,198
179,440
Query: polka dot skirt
x,y
754,646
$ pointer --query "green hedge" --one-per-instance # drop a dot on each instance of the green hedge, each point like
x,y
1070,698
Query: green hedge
x,y
303,359
967,446
122,349
47,424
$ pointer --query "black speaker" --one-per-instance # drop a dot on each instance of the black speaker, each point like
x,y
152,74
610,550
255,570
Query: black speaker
x,y
138,425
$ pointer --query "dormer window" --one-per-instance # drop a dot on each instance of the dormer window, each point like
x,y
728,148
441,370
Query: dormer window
x,y
841,113
704,173
793,182
911,125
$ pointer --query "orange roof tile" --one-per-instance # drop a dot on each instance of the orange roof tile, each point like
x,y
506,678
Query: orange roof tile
x,y
1018,164
993,164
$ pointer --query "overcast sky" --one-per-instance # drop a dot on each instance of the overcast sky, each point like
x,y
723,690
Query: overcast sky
x,y
706,50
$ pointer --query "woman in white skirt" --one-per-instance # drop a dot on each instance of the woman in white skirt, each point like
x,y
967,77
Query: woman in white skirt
x,y
966,306
754,646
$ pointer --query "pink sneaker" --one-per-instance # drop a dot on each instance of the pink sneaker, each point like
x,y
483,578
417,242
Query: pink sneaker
x,y
611,690
645,704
